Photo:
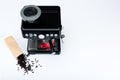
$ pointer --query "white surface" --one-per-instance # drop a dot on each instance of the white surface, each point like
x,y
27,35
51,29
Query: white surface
x,y
91,49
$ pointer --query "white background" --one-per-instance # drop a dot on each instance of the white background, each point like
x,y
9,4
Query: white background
x,y
91,49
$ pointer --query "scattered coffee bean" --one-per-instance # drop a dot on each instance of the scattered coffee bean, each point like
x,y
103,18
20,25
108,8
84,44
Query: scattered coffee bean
x,y
40,65
36,66
25,64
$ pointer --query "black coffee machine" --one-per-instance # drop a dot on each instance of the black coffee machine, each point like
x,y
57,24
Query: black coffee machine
x,y
41,25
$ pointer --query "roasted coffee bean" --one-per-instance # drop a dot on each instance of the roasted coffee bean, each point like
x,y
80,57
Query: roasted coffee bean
x,y
27,64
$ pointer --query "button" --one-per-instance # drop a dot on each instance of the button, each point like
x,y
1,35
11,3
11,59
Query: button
x,y
41,36
47,35
26,35
35,35
30,35
51,35
55,35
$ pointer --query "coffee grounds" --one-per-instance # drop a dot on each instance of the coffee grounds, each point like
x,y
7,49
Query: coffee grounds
x,y
27,64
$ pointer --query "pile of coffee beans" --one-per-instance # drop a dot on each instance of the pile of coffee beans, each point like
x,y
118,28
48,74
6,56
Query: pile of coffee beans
x,y
27,65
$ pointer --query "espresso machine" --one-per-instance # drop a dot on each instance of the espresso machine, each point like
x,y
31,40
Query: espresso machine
x,y
41,25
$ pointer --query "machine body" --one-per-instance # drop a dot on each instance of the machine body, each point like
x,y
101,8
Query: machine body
x,y
44,31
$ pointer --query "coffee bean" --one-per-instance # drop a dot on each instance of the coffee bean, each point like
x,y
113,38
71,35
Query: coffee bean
x,y
27,64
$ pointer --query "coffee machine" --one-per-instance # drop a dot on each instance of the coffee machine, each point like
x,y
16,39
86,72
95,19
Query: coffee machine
x,y
41,25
